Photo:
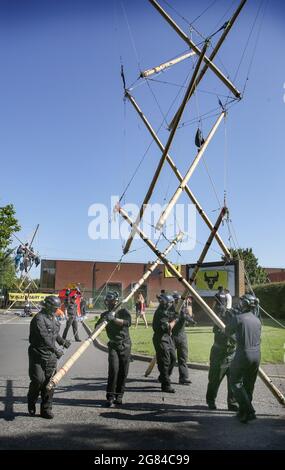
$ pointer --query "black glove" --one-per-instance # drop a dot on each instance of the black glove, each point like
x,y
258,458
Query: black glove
x,y
66,343
109,316
58,353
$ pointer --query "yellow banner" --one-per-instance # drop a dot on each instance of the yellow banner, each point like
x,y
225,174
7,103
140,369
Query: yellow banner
x,y
211,280
19,297
168,273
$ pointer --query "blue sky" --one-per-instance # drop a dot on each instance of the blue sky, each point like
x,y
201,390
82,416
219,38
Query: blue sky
x,y
68,140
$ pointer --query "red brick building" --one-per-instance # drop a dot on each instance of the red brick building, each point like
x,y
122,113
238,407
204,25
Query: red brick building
x,y
95,276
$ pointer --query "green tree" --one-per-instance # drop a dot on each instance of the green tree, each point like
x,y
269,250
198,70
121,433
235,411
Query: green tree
x,y
8,225
255,273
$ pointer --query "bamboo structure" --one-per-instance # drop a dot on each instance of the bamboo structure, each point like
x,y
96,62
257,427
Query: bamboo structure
x,y
82,348
177,173
190,88
188,175
274,390
196,49
25,277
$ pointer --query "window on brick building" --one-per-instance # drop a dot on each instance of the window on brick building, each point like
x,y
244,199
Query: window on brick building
x,y
48,274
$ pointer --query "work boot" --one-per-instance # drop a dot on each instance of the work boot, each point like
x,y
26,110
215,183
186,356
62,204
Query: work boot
x,y
47,414
109,403
233,407
118,401
211,405
168,389
185,381
251,416
31,409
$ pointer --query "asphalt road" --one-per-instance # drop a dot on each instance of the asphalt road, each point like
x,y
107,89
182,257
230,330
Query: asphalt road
x,y
148,419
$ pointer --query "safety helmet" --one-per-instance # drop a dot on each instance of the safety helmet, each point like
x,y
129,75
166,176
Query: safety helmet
x,y
52,303
166,299
111,297
176,295
248,302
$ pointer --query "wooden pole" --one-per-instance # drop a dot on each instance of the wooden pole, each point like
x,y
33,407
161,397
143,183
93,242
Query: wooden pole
x,y
274,390
188,175
179,176
167,146
82,348
69,363
208,243
161,67
196,49
37,228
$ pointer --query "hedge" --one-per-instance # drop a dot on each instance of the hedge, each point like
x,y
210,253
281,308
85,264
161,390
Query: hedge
x,y
272,298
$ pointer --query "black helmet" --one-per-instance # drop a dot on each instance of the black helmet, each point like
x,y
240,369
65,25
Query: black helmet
x,y
248,302
176,295
52,303
166,299
112,297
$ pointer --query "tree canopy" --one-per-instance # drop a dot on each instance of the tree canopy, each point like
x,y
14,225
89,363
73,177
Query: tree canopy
x,y
255,273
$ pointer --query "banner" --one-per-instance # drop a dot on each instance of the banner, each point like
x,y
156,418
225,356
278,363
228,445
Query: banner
x,y
211,280
168,273
22,297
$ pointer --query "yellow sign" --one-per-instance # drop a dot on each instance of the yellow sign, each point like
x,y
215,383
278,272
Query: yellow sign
x,y
19,297
211,280
168,273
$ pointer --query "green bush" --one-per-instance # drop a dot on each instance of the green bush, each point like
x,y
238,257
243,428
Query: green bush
x,y
272,298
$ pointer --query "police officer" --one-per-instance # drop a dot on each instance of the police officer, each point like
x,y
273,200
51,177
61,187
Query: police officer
x,y
164,319
119,347
43,355
246,325
180,341
71,319
221,355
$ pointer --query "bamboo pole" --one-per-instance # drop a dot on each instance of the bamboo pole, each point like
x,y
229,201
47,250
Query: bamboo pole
x,y
216,49
188,175
165,65
179,176
69,363
37,228
196,49
205,250
167,146
82,348
198,264
274,390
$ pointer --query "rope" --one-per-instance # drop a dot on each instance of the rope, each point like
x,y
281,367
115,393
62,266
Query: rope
x,y
185,19
248,39
203,12
255,47
117,267
131,36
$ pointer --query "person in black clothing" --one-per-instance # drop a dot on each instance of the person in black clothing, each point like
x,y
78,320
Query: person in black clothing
x,y
164,319
43,355
221,355
119,348
71,319
246,326
181,343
